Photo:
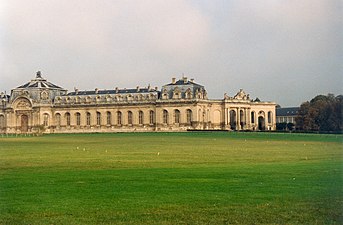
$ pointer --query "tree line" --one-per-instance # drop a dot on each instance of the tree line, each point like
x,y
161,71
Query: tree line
x,y
323,113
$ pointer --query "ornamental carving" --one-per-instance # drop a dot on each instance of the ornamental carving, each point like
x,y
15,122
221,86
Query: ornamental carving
x,y
23,104
44,95
241,95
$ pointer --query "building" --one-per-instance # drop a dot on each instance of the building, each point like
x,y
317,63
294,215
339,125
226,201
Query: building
x,y
40,106
286,115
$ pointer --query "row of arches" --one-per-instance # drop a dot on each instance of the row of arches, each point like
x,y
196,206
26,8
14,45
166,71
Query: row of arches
x,y
121,118
258,120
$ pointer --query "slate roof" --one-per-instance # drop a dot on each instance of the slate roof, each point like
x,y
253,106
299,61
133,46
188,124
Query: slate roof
x,y
181,82
120,91
39,82
290,111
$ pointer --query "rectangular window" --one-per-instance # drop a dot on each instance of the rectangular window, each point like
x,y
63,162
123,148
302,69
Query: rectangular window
x,y
88,119
98,118
141,118
152,117
109,118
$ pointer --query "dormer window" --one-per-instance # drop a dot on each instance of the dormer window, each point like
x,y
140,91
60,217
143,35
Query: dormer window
x,y
176,93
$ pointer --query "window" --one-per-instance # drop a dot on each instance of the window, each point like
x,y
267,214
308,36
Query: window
x,y
58,119
165,116
109,118
141,117
88,119
98,118
189,116
46,119
152,117
177,116
119,121
2,122
253,117
129,117
78,119
67,115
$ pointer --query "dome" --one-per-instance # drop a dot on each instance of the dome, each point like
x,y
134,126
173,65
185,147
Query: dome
x,y
39,82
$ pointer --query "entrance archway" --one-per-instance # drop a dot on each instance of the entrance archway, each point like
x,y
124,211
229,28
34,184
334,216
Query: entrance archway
x,y
233,121
261,123
24,123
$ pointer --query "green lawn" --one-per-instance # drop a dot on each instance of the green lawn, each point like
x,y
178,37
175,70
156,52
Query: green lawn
x,y
172,178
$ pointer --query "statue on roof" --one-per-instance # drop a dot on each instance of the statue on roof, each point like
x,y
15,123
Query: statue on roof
x,y
38,74
241,95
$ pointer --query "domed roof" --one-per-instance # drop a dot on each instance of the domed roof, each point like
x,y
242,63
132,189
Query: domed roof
x,y
39,82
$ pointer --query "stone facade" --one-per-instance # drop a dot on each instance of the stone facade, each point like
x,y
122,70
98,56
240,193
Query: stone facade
x,y
40,106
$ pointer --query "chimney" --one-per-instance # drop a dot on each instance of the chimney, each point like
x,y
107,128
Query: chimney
x,y
117,89
192,80
96,90
149,87
173,80
137,88
156,88
184,80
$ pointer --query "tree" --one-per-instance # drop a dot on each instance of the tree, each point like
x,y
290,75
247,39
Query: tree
x,y
322,113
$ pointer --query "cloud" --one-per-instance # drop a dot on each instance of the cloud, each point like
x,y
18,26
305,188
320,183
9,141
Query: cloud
x,y
264,47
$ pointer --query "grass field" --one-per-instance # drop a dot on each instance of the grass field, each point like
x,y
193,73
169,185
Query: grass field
x,y
172,178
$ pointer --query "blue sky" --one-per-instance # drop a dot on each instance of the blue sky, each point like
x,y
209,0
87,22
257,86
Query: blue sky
x,y
277,50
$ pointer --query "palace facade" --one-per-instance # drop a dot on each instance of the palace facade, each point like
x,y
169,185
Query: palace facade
x,y
41,106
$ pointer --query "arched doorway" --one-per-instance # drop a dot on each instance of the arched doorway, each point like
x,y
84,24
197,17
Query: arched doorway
x,y
233,121
24,123
261,123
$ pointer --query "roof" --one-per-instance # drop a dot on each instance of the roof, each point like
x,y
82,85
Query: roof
x,y
119,91
290,111
182,82
39,82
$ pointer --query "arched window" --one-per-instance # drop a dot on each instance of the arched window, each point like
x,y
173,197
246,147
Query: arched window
x,y
58,119
88,119
67,115
189,116
270,117
165,116
252,117
177,116
109,118
152,117
46,119
119,119
141,117
98,118
129,117
78,119
2,122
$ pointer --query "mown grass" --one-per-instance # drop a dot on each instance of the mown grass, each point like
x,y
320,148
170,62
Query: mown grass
x,y
172,178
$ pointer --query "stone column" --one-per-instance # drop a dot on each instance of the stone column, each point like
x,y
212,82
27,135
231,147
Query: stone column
x,y
228,119
248,118
238,119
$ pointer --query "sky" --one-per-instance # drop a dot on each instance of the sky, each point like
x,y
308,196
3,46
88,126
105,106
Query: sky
x,y
285,51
